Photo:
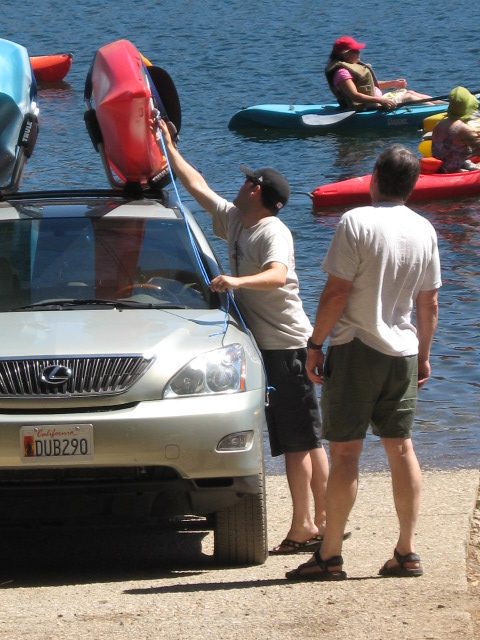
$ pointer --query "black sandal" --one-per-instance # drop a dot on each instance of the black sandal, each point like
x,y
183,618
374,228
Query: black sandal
x,y
321,572
400,570
288,547
317,540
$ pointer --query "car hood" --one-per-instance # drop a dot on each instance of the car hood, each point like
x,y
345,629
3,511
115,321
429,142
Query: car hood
x,y
112,331
169,338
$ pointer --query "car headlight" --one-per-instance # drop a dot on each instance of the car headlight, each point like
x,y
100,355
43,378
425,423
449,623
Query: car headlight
x,y
219,371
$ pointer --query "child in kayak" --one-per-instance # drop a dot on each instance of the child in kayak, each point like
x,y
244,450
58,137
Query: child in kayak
x,y
454,141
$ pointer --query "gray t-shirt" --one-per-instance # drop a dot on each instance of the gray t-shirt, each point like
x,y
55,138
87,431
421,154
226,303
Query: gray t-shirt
x,y
275,316
390,254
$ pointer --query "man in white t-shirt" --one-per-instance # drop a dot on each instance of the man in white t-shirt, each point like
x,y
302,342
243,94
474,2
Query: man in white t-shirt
x,y
266,288
383,261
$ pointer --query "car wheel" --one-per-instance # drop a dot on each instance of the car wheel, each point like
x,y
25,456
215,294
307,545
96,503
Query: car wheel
x,y
240,532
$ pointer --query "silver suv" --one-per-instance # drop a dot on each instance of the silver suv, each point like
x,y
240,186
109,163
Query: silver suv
x,y
126,385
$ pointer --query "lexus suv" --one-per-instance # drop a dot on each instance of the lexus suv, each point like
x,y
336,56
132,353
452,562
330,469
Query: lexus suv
x,y
126,384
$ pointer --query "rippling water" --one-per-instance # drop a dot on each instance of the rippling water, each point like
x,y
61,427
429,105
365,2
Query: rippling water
x,y
227,54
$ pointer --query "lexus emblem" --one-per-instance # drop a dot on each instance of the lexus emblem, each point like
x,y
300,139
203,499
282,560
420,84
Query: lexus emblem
x,y
55,375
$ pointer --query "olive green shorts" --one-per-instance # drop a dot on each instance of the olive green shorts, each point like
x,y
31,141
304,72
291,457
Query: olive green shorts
x,y
364,387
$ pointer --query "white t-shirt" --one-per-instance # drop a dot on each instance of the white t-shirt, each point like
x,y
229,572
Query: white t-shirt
x,y
275,316
390,254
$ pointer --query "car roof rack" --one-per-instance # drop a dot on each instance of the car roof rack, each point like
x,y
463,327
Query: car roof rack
x,y
162,196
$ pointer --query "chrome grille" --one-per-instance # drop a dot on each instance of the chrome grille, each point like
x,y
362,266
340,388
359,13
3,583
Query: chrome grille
x,y
90,376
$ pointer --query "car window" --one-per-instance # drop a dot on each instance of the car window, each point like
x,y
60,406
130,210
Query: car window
x,y
148,260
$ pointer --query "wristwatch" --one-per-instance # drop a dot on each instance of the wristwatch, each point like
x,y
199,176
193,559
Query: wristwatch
x,y
312,345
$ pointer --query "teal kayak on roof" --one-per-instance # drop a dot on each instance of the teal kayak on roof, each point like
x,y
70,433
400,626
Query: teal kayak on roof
x,y
18,114
319,118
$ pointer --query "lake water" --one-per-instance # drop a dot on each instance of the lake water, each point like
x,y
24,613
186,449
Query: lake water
x,y
224,55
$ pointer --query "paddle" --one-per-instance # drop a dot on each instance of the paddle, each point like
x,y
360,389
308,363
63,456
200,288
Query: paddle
x,y
435,98
317,120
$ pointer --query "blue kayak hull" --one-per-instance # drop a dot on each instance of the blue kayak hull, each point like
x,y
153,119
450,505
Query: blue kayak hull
x,y
18,114
285,116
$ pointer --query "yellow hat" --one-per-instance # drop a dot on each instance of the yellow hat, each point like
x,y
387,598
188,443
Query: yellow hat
x,y
461,103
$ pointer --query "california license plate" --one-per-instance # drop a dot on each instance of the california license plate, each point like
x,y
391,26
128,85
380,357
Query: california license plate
x,y
56,444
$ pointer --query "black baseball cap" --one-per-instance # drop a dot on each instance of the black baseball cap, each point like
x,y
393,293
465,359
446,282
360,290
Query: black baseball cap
x,y
275,187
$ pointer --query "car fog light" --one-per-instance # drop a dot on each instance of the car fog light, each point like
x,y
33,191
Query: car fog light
x,y
239,441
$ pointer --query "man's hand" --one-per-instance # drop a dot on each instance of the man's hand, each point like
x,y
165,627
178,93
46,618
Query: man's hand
x,y
222,283
423,372
427,318
167,129
314,365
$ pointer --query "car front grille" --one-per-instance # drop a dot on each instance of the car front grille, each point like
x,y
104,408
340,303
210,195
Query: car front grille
x,y
81,376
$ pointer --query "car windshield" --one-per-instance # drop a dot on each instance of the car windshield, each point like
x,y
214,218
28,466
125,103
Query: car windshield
x,y
149,262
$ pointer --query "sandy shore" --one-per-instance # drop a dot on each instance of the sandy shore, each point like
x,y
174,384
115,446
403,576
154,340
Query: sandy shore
x,y
137,584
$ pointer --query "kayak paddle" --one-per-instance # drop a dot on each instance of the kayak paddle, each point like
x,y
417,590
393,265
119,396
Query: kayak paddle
x,y
317,120
423,100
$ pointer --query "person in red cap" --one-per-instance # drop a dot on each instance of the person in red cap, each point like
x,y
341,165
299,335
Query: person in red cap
x,y
354,83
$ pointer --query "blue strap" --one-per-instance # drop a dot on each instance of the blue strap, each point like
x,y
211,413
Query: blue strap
x,y
88,90
33,89
156,96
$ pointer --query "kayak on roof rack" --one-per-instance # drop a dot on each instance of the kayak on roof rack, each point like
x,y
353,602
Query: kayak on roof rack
x,y
19,112
122,89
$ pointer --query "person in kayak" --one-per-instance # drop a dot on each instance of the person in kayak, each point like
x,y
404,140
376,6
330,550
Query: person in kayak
x,y
454,141
354,83
262,262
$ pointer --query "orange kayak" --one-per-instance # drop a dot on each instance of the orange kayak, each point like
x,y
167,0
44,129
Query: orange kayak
x,y
51,68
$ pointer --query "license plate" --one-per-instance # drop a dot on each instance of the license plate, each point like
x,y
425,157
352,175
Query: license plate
x,y
54,444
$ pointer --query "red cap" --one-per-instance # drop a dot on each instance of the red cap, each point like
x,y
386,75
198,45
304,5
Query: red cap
x,y
346,43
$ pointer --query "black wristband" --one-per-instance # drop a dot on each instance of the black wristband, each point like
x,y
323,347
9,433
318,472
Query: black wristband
x,y
312,345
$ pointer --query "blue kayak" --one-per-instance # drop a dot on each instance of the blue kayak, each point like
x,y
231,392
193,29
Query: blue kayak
x,y
18,114
329,117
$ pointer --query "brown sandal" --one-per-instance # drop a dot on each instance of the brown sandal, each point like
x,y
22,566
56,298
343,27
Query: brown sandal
x,y
318,569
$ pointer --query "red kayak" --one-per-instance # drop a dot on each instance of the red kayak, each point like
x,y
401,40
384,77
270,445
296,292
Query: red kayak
x,y
51,68
122,100
430,186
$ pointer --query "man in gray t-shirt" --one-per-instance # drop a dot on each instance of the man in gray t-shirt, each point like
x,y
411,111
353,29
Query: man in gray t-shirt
x,y
382,263
263,277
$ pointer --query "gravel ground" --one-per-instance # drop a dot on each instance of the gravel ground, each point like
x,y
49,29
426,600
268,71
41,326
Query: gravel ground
x,y
134,583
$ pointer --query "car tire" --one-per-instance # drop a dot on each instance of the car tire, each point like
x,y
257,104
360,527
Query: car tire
x,y
240,532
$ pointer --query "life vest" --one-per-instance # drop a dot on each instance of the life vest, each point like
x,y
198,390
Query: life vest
x,y
363,78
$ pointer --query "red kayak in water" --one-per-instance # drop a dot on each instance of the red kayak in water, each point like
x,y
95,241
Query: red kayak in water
x,y
430,186
52,67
